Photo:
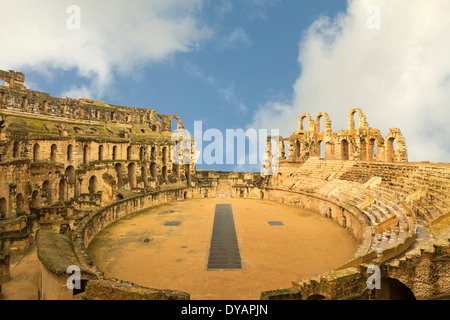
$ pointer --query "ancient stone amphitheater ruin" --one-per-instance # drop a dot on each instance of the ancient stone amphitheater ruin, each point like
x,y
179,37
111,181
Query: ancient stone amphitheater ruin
x,y
71,168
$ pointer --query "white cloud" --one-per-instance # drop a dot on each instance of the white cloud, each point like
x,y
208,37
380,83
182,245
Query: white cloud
x,y
114,36
194,71
399,75
236,38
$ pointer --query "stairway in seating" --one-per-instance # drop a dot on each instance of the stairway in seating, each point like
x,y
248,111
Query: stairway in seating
x,y
223,189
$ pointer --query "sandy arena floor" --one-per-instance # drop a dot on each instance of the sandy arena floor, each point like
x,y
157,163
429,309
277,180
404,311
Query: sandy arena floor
x,y
175,257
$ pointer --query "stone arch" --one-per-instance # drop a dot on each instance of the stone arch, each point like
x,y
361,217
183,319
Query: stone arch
x,y
297,148
47,192
144,174
119,171
114,153
362,119
16,149
164,155
153,153
20,203
36,152
322,149
187,173
100,152
53,150
392,289
300,121
326,122
345,149
69,152
62,192
390,152
174,124
93,185
176,171
35,199
153,170
129,153
363,149
85,154
141,153
374,148
3,208
395,147
70,174
164,174
132,175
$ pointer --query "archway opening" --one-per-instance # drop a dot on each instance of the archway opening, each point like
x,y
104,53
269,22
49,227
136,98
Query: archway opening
x,y
153,170
20,204
355,116
344,150
100,152
93,185
174,124
3,208
62,190
35,199
322,152
53,149
36,152
114,153
132,175
297,148
176,171
320,124
304,124
47,192
119,172
129,153
141,153
69,152
392,289
390,150
164,174
85,154
16,150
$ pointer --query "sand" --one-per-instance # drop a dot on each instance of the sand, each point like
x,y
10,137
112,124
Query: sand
x,y
175,257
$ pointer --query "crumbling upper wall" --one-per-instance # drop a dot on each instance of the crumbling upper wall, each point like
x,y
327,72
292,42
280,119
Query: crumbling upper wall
x,y
358,142
12,78
15,97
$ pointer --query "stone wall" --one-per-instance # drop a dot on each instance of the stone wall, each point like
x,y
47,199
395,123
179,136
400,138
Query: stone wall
x,y
358,142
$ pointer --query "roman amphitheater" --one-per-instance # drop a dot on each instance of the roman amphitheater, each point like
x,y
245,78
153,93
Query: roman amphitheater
x,y
94,188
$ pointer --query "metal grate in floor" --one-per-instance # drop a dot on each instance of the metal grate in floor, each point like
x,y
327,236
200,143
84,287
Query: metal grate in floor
x,y
224,248
275,223
172,223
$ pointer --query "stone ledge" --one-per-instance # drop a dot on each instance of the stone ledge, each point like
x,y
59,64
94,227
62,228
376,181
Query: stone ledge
x,y
121,290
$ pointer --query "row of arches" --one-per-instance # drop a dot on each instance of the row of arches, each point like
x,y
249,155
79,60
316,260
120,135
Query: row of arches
x,y
37,154
155,122
322,122
368,150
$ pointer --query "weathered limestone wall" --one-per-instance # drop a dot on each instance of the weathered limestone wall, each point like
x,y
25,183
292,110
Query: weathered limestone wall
x,y
121,290
357,142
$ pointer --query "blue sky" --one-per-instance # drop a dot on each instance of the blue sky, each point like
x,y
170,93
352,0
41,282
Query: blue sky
x,y
239,64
